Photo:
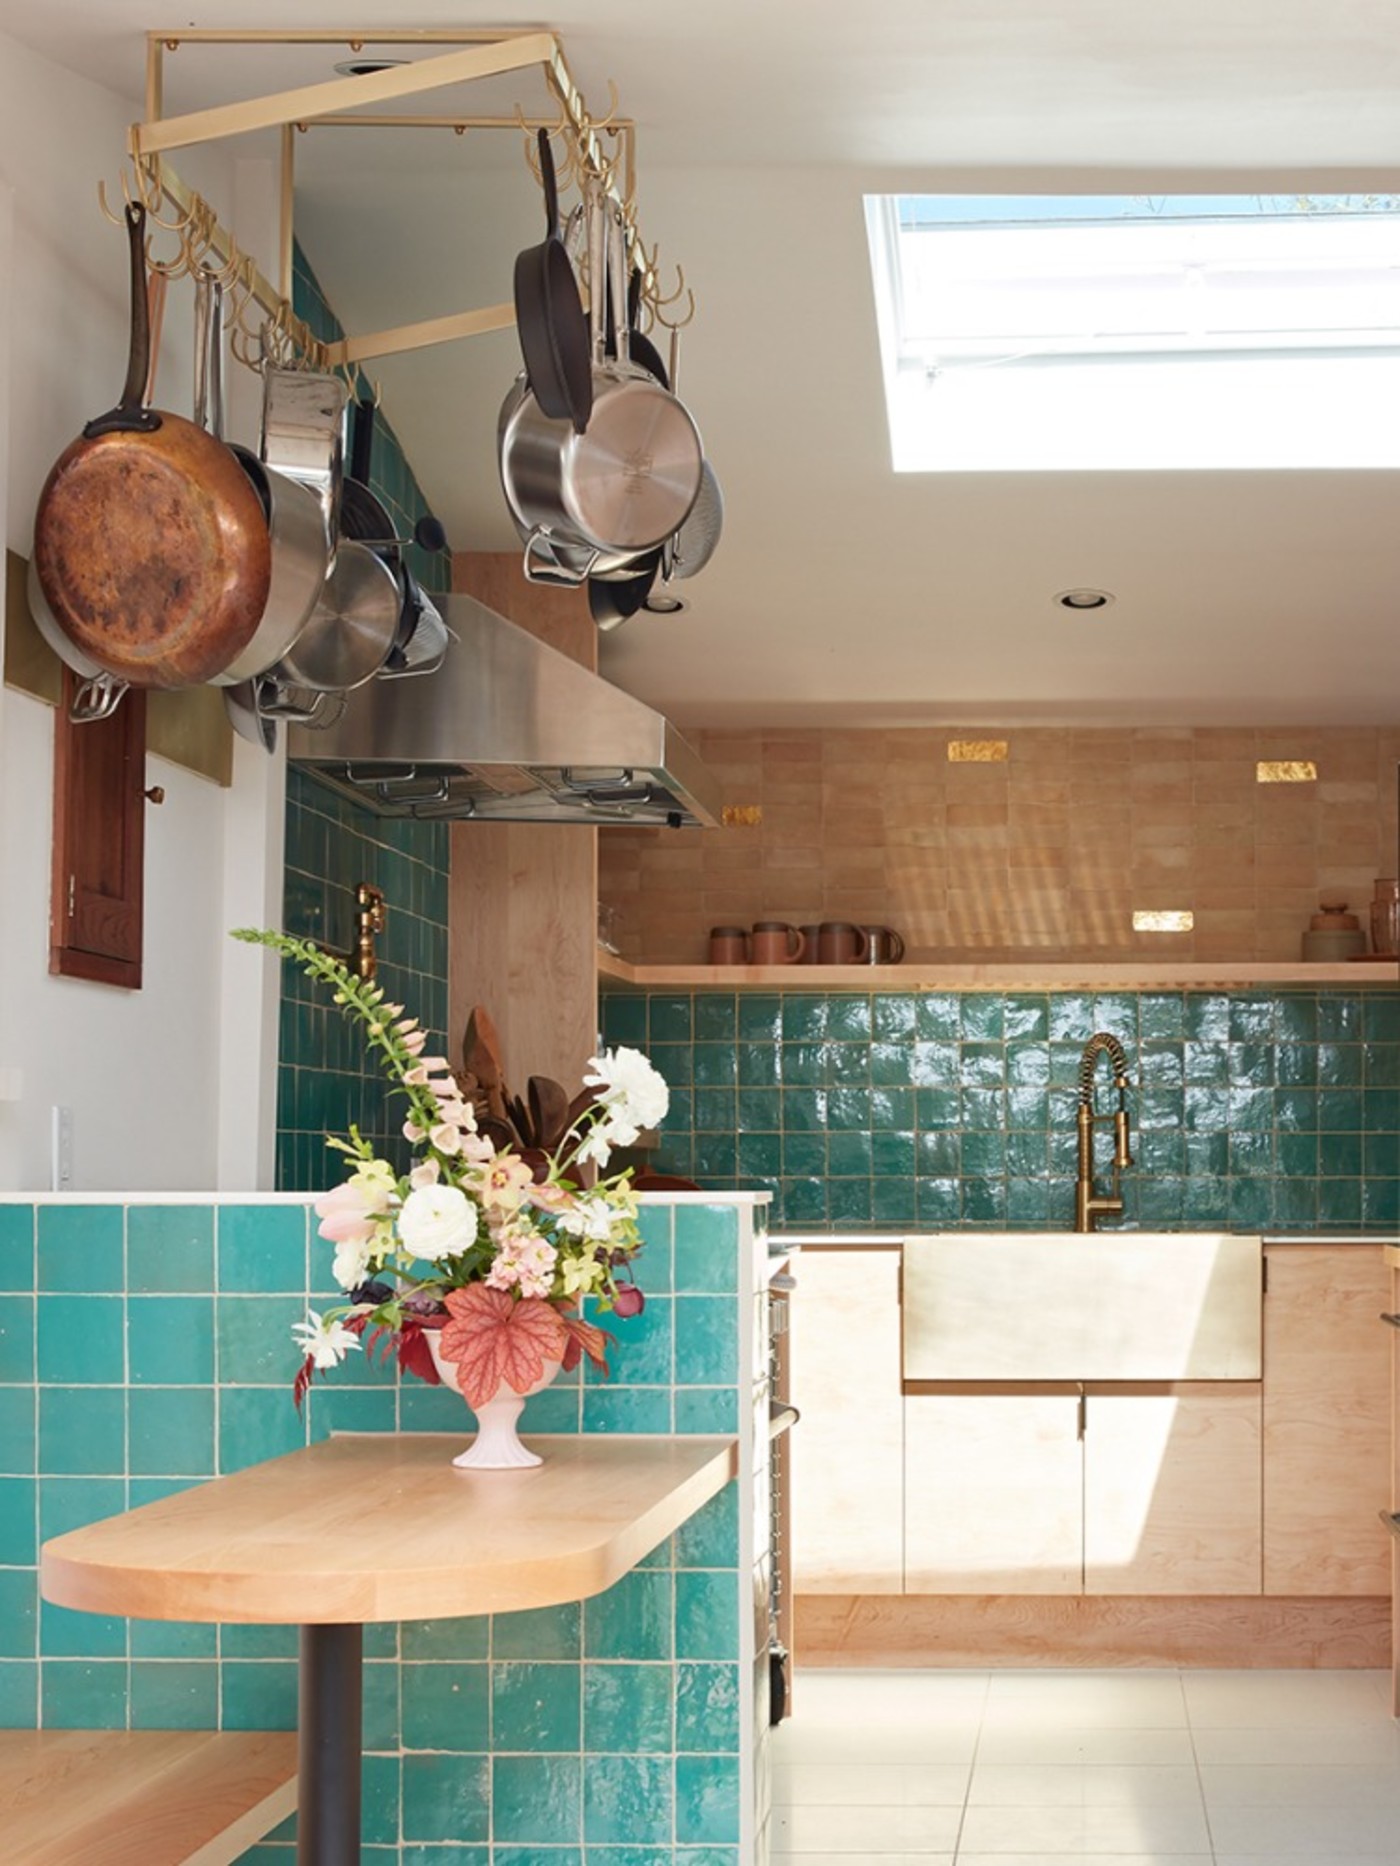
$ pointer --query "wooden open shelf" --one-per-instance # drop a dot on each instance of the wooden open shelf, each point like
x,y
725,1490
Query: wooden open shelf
x,y
1017,975
142,1797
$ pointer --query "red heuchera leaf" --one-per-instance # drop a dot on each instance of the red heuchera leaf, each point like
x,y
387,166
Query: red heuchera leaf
x,y
301,1386
586,1338
415,1356
492,1339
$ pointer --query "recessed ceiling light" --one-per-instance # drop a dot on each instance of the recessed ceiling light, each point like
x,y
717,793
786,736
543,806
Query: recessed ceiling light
x,y
1084,599
363,67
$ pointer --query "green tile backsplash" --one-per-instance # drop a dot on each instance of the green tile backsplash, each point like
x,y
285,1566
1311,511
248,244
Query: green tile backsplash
x,y
324,1079
884,1109
604,1731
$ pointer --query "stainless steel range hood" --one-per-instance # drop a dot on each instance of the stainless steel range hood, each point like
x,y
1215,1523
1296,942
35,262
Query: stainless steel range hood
x,y
507,730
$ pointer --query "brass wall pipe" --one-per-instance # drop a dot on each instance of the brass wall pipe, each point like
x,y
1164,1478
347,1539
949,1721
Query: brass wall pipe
x,y
362,959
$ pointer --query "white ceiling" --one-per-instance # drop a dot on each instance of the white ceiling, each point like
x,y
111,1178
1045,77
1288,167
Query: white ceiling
x,y
839,591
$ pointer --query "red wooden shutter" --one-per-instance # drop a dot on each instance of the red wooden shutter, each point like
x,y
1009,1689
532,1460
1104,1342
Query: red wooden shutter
x,y
99,820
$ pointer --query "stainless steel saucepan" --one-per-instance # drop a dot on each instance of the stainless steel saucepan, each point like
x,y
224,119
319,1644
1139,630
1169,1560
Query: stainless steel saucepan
x,y
296,525
628,482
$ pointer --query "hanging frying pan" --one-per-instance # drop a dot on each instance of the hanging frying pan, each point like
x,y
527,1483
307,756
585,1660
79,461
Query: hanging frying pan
x,y
629,481
549,316
150,544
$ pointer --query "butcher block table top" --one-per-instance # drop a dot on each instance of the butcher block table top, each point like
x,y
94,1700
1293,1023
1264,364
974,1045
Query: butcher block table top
x,y
381,1526
142,1797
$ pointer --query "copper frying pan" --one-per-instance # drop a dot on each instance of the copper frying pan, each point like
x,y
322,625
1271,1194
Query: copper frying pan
x,y
150,544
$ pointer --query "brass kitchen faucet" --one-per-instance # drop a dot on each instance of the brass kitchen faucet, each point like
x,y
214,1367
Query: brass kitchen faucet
x,y
1090,1206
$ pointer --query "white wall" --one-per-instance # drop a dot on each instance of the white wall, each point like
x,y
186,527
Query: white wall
x,y
171,1086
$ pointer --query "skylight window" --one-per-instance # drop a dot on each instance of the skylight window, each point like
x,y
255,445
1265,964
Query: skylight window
x,y
1232,332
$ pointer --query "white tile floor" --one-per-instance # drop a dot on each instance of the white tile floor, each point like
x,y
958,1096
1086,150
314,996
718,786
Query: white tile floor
x,y
1074,1768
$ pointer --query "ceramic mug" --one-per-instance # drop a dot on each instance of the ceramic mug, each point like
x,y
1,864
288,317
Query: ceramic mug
x,y
776,943
840,943
809,950
885,946
729,946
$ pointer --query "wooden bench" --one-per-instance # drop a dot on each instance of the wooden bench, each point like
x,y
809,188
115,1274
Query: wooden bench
x,y
141,1797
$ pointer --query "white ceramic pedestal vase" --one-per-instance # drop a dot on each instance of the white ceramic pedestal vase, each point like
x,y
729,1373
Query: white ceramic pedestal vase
x,y
496,1447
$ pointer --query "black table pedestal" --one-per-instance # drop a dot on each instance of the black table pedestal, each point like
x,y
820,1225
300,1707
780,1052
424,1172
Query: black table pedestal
x,y
329,1736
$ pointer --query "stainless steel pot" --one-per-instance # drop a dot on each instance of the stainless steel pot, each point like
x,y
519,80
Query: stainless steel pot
x,y
628,482
303,427
351,629
295,520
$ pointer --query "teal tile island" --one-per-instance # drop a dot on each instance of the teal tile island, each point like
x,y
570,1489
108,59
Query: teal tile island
x,y
628,1729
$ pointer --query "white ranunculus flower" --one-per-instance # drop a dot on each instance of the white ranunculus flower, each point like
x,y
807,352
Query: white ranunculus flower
x,y
630,1090
437,1222
351,1264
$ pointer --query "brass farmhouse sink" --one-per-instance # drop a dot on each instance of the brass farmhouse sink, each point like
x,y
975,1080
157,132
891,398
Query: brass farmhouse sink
x,y
1127,1305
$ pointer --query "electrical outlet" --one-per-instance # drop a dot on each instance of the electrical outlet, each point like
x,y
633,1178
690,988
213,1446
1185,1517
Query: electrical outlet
x,y
61,1150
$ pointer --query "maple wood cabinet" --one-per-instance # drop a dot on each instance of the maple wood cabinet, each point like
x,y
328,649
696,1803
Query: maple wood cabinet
x,y
1326,1420
1172,1490
1114,1490
993,1493
1194,1488
848,1449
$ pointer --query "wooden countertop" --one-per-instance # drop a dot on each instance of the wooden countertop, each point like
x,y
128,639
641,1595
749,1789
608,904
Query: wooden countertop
x,y
142,1797
381,1526
1156,974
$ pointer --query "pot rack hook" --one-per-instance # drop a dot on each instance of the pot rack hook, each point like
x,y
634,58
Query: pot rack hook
x,y
659,302
141,187
566,163
150,192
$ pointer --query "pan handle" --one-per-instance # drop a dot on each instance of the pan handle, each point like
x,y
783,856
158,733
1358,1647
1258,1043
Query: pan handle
x,y
550,184
130,416
548,569
95,699
362,439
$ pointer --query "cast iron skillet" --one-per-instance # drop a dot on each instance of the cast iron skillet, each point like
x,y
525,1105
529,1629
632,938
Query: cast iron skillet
x,y
549,316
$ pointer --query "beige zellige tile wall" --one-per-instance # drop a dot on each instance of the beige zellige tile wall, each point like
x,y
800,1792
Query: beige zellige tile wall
x,y
1048,851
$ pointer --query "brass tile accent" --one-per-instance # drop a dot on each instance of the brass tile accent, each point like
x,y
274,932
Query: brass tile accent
x,y
1163,920
1285,771
977,751
742,815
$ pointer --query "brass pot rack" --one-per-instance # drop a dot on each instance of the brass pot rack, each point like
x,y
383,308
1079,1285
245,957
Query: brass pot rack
x,y
338,103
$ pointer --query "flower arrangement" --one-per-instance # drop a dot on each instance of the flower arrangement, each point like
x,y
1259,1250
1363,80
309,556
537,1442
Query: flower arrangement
x,y
490,1252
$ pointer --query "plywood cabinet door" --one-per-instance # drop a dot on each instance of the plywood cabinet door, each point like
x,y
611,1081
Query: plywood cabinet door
x,y
1172,1491
848,1447
993,1493
1326,1420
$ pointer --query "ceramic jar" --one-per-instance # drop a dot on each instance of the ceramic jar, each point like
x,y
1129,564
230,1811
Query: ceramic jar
x,y
1385,918
1333,934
